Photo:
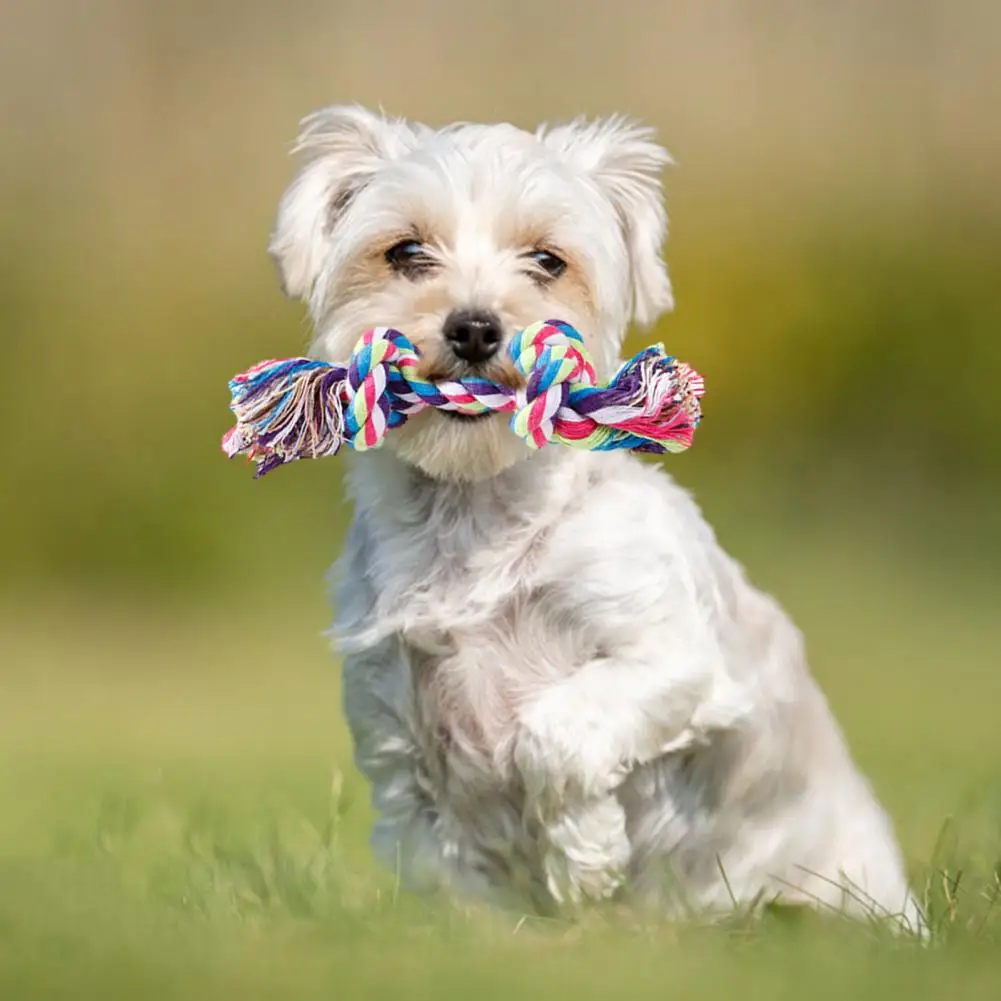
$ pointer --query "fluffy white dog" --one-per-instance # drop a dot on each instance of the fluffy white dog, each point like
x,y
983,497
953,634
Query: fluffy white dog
x,y
558,685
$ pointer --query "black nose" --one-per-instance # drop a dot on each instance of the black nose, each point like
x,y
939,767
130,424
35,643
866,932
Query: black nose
x,y
473,334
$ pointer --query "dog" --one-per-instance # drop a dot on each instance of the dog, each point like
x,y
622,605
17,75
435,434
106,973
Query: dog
x,y
559,686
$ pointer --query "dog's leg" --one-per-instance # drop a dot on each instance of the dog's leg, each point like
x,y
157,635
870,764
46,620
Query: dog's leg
x,y
412,837
377,696
378,705
585,848
584,733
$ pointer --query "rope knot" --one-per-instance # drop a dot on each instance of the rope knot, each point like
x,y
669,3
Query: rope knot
x,y
554,361
375,375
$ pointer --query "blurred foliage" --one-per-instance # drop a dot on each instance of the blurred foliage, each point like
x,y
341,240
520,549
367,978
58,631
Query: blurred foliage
x,y
835,234
184,820
836,227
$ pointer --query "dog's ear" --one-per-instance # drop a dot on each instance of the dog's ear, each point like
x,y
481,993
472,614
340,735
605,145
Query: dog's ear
x,y
625,161
341,148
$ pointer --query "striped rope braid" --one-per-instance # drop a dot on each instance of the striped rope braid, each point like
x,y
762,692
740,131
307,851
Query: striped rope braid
x,y
303,409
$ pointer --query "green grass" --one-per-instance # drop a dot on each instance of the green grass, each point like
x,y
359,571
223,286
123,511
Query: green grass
x,y
181,818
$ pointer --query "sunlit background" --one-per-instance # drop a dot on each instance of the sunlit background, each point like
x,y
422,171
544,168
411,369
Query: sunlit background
x,y
835,248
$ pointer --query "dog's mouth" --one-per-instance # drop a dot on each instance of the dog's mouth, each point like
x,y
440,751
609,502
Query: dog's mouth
x,y
455,415
502,374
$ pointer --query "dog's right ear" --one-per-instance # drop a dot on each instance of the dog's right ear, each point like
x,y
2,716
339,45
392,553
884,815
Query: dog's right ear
x,y
341,148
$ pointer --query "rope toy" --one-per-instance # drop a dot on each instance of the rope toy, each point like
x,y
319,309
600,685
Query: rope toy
x,y
299,408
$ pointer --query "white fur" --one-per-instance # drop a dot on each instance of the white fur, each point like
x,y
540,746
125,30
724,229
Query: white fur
x,y
558,685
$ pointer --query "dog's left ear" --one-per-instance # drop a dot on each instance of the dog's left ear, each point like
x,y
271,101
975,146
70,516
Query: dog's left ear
x,y
625,161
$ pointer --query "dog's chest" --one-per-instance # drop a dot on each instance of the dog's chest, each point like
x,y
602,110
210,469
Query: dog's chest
x,y
472,679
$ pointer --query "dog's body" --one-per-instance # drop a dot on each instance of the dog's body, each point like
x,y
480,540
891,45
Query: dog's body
x,y
558,684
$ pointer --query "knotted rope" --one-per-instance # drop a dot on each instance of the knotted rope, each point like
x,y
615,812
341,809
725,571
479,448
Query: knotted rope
x,y
299,408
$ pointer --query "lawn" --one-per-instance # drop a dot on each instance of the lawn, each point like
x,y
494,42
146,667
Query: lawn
x,y
182,820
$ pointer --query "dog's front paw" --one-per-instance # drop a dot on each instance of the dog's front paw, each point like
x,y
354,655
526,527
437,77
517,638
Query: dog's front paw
x,y
565,750
587,852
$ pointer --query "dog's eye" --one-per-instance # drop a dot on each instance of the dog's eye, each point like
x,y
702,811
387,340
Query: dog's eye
x,y
409,258
551,265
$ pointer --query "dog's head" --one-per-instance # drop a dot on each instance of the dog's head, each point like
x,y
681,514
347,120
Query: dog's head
x,y
462,236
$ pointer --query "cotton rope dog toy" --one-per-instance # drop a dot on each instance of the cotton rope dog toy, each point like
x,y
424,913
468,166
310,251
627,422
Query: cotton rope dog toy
x,y
299,408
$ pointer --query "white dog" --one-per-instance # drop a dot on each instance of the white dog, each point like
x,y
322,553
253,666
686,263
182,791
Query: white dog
x,y
558,685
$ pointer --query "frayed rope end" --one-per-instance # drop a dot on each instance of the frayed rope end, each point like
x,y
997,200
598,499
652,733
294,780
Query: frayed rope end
x,y
286,410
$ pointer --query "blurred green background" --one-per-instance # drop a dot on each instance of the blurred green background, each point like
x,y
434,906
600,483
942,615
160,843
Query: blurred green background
x,y
169,723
